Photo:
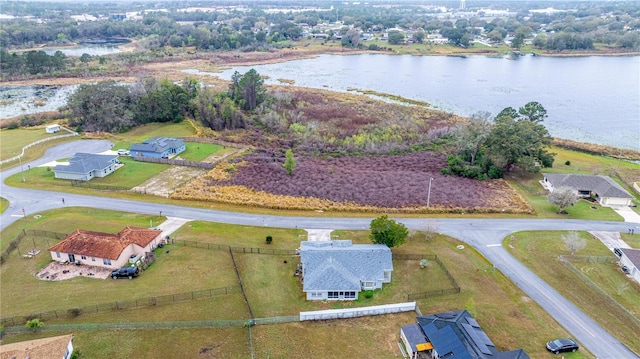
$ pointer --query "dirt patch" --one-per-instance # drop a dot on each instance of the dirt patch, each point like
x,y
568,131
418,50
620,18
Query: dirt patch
x,y
167,181
56,271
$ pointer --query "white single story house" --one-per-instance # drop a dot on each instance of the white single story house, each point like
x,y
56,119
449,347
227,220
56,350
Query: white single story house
x,y
85,166
451,335
52,128
631,259
158,147
105,249
606,191
53,347
339,270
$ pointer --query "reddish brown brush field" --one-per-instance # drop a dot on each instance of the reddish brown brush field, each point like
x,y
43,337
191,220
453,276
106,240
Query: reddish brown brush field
x,y
374,181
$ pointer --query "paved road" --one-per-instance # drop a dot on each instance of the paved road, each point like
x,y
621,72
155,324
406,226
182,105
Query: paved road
x,y
484,234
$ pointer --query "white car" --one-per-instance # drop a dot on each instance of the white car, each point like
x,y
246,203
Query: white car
x,y
122,152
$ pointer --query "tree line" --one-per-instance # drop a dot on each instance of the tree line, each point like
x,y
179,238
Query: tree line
x,y
579,27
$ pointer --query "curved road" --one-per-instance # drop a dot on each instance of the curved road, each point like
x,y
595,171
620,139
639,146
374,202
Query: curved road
x,y
484,234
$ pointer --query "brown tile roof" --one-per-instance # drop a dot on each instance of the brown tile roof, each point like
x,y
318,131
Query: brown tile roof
x,y
104,245
54,347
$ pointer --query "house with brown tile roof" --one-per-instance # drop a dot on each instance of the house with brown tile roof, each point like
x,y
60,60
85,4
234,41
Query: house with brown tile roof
x,y
105,249
46,348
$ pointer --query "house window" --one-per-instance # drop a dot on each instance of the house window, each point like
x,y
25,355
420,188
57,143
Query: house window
x,y
369,285
332,295
57,254
106,261
83,257
350,295
316,294
93,259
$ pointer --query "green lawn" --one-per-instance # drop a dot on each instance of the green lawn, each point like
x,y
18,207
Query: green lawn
x,y
199,151
13,140
133,173
539,251
4,204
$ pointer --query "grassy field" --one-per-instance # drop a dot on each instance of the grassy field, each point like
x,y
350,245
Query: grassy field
x,y
509,317
539,251
133,173
4,204
13,140
199,151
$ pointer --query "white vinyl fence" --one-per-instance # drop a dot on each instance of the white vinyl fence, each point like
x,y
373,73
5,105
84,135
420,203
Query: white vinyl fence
x,y
70,134
358,312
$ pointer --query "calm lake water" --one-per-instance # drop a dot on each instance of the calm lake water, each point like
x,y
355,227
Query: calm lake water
x,y
589,99
93,50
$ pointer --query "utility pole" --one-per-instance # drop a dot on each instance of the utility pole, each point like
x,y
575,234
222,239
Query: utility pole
x,y
21,169
429,192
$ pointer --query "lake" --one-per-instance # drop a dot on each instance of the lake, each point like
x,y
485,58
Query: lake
x,y
93,50
593,99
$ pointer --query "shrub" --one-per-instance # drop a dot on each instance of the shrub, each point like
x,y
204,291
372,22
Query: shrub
x,y
568,163
368,294
13,125
73,312
269,239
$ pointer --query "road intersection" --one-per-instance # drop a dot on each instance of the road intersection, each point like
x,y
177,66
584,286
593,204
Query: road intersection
x,y
485,235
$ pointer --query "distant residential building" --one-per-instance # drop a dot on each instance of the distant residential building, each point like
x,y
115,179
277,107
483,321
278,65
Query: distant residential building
x,y
45,348
85,166
606,191
451,335
158,147
340,270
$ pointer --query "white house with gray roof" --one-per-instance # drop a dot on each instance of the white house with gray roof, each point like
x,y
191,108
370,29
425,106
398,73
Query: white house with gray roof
x,y
85,166
605,190
158,147
339,270
630,258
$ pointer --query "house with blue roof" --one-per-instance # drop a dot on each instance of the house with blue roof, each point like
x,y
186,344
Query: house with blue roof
x,y
340,270
455,335
158,147
85,166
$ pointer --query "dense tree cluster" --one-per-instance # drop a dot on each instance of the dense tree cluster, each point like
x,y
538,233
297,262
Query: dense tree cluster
x,y
487,149
112,107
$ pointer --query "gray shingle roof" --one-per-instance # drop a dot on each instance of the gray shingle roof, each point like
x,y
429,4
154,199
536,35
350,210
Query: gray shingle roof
x,y
157,144
633,255
414,335
340,265
86,162
603,186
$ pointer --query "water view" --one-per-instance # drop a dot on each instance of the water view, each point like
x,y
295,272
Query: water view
x,y
588,99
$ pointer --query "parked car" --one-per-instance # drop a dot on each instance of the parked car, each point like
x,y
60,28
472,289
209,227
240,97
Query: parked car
x,y
122,152
618,252
562,345
125,272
